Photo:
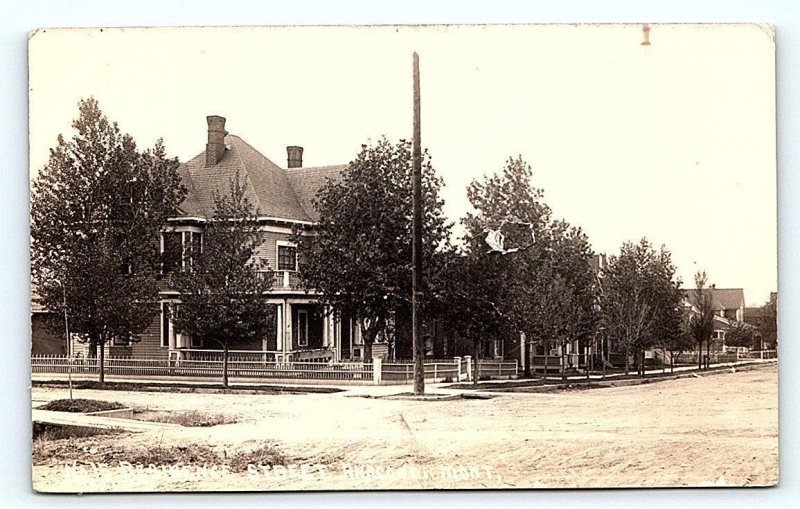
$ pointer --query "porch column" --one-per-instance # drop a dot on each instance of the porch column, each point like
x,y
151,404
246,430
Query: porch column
x,y
287,328
325,327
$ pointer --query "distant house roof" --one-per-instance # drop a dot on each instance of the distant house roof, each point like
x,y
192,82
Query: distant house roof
x,y
754,314
274,192
724,298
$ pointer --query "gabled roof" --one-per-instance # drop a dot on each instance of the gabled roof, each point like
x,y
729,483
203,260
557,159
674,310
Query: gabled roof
x,y
274,192
724,298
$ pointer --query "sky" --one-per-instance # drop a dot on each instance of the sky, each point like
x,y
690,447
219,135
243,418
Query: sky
x,y
674,141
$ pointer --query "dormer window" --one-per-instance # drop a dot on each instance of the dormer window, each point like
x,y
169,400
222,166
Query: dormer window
x,y
287,256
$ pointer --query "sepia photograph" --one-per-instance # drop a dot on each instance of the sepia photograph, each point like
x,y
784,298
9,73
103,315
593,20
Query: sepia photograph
x,y
403,257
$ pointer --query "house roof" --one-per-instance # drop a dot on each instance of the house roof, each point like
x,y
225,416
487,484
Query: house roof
x,y
306,182
724,298
754,314
274,192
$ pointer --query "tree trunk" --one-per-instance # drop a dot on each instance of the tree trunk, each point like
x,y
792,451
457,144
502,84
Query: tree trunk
x,y
546,355
700,356
563,352
642,363
627,360
225,364
102,361
604,357
476,352
368,350
708,353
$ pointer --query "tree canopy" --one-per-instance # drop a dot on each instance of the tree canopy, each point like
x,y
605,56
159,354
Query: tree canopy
x,y
222,288
96,211
359,254
701,321
641,301
545,288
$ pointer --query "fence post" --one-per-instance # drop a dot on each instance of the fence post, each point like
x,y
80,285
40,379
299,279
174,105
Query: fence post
x,y
468,358
457,361
376,370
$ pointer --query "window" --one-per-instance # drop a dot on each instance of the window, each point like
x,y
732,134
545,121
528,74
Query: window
x,y
120,342
165,325
172,251
125,267
287,257
193,246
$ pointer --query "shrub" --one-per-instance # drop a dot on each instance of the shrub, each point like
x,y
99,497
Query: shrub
x,y
81,405
192,418
266,455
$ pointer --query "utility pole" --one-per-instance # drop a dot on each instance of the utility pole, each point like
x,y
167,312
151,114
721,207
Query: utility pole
x,y
416,297
66,330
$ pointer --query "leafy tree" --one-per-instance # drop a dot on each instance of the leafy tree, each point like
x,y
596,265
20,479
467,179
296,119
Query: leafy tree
x,y
359,256
640,299
701,323
544,290
222,289
740,334
96,212
679,342
469,300
768,326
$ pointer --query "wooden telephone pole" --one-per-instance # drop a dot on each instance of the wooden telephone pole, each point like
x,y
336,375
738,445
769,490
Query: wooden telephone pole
x,y
416,297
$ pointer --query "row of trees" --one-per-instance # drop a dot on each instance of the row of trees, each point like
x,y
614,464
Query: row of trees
x,y
99,206
544,291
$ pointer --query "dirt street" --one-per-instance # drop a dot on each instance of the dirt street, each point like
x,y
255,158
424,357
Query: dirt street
x,y
713,430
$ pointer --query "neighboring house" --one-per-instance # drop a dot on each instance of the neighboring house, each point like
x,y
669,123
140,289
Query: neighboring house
x,y
759,318
729,307
43,340
283,198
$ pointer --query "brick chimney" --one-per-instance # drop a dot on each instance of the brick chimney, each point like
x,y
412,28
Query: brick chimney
x,y
215,147
294,157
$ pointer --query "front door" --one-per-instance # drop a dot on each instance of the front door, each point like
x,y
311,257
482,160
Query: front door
x,y
302,328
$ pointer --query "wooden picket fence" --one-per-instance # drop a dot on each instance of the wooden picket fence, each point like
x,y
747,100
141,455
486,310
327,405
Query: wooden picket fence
x,y
243,366
204,368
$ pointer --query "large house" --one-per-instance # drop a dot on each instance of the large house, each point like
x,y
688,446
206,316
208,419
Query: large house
x,y
729,307
283,198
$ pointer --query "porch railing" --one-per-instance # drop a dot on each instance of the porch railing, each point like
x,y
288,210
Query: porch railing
x,y
312,355
285,280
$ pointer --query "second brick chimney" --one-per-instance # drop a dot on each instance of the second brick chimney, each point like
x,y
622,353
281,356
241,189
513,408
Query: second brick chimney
x,y
215,147
294,155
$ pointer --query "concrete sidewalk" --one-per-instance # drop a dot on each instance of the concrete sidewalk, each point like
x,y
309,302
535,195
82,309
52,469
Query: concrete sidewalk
x,y
96,421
